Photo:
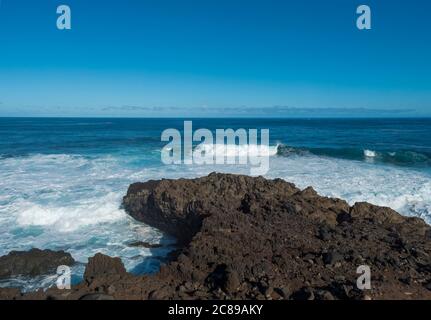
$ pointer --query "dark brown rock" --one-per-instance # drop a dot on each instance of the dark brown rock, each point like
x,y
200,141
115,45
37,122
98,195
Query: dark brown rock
x,y
232,281
102,266
332,257
97,296
264,230
253,238
9,294
33,262
145,244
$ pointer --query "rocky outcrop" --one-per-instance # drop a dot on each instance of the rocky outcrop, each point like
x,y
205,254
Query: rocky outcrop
x,y
145,244
101,266
252,238
33,263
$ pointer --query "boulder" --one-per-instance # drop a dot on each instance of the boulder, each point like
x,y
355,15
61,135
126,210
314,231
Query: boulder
x,y
101,266
33,262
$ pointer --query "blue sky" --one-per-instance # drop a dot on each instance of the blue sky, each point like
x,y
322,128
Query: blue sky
x,y
215,57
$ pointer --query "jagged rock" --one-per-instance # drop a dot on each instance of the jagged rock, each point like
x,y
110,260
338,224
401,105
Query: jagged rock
x,y
232,281
284,292
256,228
101,265
304,294
365,210
333,257
324,234
252,238
324,295
145,245
97,296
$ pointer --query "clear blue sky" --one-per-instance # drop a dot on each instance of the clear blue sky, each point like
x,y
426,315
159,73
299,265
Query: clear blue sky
x,y
159,57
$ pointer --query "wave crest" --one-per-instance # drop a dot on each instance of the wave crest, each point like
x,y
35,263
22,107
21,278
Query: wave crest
x,y
233,150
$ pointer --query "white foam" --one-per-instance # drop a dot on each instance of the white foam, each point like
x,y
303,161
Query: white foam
x,y
405,190
72,203
236,151
61,191
369,153
64,218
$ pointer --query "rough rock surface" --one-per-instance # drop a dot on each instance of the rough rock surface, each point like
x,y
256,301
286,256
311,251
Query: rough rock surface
x,y
252,238
32,263
102,266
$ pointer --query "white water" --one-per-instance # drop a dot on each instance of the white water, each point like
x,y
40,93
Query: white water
x,y
72,203
405,190
235,151
369,153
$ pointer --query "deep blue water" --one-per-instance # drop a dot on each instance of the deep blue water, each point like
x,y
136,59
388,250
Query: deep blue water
x,y
405,142
62,180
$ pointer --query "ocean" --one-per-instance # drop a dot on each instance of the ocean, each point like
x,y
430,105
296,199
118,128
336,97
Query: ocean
x,y
62,179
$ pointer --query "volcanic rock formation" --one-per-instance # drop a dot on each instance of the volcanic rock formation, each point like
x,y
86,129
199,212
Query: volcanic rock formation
x,y
251,238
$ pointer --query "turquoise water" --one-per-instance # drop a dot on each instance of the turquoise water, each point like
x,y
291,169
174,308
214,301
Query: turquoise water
x,y
62,180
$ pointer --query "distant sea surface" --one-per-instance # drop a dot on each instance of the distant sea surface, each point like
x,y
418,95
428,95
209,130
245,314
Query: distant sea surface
x,y
62,180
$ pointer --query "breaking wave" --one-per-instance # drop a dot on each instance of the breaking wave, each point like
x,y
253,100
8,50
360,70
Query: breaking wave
x,y
232,150
369,153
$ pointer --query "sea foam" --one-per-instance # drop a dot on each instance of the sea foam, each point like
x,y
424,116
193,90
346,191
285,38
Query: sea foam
x,y
233,150
72,203
369,153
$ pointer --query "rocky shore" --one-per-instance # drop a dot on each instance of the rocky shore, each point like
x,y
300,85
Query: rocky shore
x,y
250,238
33,262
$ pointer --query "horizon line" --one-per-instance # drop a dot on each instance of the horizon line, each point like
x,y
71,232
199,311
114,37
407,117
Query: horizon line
x,y
217,117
